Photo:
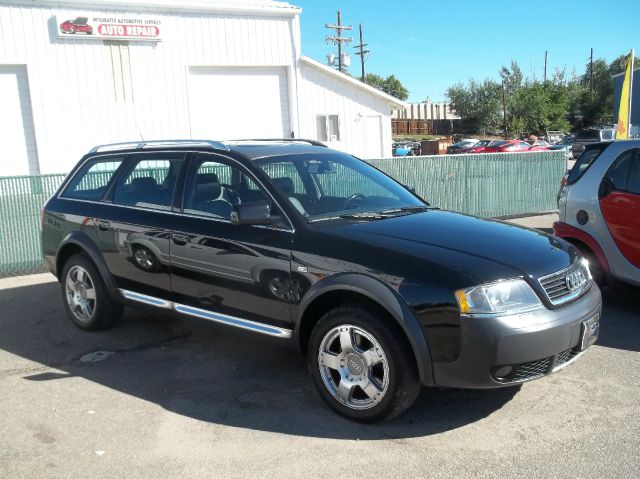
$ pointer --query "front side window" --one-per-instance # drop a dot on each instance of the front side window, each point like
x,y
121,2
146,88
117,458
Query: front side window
x,y
328,127
149,182
215,186
339,185
90,183
624,174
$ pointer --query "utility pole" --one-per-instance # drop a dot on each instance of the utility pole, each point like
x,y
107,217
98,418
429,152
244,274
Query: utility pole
x,y
504,110
362,53
591,76
545,67
338,39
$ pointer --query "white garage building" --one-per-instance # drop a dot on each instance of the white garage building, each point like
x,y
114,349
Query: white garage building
x,y
75,73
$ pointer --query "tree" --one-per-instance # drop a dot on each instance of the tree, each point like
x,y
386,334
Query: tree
x,y
479,104
512,77
390,85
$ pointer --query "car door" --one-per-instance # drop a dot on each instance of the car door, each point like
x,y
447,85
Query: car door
x,y
620,204
223,271
135,235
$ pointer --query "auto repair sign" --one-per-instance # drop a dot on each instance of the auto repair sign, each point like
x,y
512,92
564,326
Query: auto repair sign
x,y
113,27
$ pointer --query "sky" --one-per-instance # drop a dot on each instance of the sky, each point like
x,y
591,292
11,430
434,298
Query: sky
x,y
432,45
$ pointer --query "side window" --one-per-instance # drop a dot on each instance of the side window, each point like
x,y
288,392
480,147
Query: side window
x,y
619,171
607,134
91,182
215,187
328,128
150,181
633,183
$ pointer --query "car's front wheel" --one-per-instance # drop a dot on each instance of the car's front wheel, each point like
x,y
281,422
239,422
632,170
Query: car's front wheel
x,y
85,296
362,364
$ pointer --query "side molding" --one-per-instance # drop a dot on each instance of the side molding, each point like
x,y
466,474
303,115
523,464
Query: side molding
x,y
382,294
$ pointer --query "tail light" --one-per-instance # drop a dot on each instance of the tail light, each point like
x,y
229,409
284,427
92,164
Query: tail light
x,y
563,181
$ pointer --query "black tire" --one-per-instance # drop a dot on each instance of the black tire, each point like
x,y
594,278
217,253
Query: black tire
x,y
103,310
402,385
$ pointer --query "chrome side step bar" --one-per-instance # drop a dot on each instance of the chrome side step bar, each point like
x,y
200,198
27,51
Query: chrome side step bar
x,y
254,326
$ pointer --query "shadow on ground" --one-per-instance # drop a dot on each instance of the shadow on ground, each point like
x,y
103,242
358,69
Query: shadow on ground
x,y
219,375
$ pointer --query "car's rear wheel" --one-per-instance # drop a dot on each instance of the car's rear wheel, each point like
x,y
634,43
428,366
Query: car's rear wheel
x,y
85,296
362,365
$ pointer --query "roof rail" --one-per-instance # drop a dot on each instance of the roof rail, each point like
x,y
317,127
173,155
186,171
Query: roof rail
x,y
141,145
300,140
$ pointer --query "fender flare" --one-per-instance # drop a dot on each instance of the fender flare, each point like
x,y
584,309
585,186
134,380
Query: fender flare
x,y
387,298
84,242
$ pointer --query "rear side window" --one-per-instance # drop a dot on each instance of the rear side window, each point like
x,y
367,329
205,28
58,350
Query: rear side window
x,y
149,182
584,161
90,183
624,174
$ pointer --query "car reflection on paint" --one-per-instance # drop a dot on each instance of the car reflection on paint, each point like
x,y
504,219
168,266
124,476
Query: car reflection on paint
x,y
234,262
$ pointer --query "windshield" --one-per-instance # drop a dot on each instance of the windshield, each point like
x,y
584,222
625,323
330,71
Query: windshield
x,y
584,161
332,184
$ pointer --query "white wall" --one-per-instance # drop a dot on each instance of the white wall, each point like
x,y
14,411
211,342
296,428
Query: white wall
x,y
72,84
325,93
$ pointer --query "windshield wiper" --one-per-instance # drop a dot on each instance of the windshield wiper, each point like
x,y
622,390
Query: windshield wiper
x,y
364,216
408,209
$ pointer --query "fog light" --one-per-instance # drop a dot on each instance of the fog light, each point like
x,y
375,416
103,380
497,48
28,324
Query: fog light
x,y
503,372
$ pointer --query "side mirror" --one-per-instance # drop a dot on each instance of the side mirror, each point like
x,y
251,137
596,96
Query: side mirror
x,y
254,213
606,188
410,188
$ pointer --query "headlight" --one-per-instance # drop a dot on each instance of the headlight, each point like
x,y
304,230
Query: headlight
x,y
510,297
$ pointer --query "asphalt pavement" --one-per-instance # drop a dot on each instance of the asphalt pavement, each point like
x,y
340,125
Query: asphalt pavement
x,y
158,396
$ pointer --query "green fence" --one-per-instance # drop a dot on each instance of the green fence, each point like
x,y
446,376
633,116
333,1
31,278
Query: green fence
x,y
486,185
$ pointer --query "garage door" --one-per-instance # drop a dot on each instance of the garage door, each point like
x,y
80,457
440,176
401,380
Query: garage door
x,y
229,103
17,135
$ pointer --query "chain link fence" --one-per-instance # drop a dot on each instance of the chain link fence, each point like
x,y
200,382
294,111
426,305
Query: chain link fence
x,y
487,185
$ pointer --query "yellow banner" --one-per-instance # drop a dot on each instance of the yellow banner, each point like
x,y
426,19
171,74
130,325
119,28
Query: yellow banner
x,y
622,130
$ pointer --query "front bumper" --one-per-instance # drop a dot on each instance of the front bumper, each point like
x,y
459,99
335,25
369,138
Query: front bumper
x,y
533,344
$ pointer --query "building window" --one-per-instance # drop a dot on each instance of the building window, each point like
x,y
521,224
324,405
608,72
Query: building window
x,y
328,127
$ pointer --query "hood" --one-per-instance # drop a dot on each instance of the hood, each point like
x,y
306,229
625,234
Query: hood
x,y
433,235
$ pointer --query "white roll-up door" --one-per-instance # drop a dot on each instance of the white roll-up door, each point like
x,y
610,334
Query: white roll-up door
x,y
17,135
235,103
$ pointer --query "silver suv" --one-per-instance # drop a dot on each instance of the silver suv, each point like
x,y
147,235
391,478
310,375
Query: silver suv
x,y
591,135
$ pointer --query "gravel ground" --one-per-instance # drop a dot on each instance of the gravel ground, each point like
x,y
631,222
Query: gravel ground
x,y
179,397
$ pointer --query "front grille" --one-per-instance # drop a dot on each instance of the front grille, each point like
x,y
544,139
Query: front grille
x,y
524,371
566,356
565,285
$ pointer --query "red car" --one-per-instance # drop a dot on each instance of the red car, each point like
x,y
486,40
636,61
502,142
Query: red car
x,y
538,145
507,146
477,148
79,25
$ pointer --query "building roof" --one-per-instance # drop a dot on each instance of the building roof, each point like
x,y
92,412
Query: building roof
x,y
269,7
395,102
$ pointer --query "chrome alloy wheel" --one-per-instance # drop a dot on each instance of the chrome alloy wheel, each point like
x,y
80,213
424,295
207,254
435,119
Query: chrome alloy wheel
x,y
353,366
144,258
80,294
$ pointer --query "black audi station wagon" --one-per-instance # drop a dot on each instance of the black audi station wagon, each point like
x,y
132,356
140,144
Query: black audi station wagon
x,y
382,291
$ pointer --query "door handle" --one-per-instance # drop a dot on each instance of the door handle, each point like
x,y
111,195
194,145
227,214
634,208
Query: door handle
x,y
180,239
104,225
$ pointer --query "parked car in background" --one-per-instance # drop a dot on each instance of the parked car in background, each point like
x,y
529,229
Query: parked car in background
x,y
553,136
406,148
464,143
79,25
317,249
507,146
564,145
537,145
591,135
600,209
476,148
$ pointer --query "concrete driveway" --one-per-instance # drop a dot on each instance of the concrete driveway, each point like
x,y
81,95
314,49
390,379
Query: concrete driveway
x,y
180,397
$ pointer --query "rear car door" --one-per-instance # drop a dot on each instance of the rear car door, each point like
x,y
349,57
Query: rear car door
x,y
135,235
620,204
223,271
